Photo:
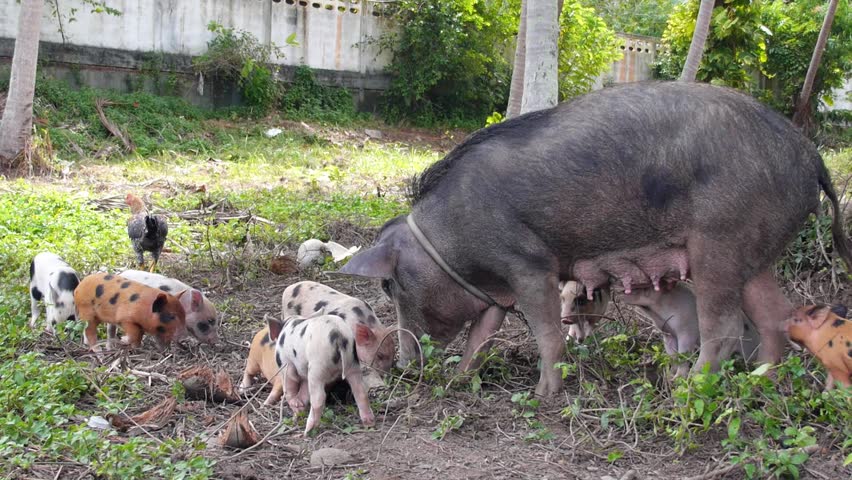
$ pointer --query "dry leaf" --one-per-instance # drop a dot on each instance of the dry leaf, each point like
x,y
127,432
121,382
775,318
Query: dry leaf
x,y
240,433
155,417
201,383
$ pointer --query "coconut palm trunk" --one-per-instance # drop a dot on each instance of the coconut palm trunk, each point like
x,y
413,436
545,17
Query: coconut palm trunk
x,y
16,125
803,115
540,57
516,90
699,39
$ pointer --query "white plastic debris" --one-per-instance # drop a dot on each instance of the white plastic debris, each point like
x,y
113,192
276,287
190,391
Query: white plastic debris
x,y
339,252
273,132
98,423
313,252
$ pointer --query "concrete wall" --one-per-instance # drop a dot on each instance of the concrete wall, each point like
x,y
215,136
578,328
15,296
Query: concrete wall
x,y
101,50
332,34
638,55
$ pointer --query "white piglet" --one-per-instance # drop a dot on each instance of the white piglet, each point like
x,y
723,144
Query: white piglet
x,y
52,281
201,316
317,353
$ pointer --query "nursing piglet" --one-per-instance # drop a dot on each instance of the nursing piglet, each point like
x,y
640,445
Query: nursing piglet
x,y
52,281
201,316
376,348
317,352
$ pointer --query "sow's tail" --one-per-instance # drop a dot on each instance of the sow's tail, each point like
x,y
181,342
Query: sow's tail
x,y
841,243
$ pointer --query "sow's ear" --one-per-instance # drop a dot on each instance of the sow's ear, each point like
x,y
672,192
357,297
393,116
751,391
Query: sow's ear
x,y
376,262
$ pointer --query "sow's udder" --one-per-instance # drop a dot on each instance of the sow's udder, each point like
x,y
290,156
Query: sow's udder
x,y
638,268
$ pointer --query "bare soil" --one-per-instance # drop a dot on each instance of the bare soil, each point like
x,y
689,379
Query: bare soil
x,y
490,444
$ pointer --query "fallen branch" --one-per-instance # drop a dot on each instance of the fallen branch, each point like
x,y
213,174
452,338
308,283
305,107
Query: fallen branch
x,y
100,103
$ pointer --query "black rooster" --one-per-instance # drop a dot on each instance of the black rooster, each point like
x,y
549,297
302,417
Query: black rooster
x,y
147,232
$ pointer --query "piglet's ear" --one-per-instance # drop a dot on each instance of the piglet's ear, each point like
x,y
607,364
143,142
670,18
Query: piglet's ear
x,y
817,315
376,262
839,310
363,335
275,326
196,299
159,302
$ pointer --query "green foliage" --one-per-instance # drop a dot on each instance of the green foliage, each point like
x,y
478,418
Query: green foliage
x,y
587,47
238,56
306,99
736,44
449,60
153,123
770,39
447,425
638,17
795,27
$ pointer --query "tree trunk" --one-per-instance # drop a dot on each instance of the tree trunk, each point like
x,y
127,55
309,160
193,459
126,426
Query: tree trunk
x,y
540,63
516,91
17,122
699,39
803,116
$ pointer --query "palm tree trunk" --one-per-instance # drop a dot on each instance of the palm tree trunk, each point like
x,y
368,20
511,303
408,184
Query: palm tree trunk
x,y
16,125
540,62
516,90
699,39
803,116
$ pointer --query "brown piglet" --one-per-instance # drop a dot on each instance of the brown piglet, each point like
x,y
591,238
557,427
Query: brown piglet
x,y
136,308
828,336
261,359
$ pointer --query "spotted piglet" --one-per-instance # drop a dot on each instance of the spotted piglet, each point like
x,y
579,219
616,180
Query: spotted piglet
x,y
136,308
317,352
52,281
201,316
262,360
376,347
824,331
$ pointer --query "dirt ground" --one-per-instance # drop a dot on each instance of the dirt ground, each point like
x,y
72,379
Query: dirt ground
x,y
489,445
491,442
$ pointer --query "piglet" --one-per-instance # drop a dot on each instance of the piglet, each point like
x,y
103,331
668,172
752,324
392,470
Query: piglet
x,y
52,281
137,308
376,347
262,360
828,336
317,352
201,316
581,314
673,311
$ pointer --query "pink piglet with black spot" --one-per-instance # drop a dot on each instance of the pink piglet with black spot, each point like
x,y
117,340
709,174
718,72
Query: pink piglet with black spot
x,y
317,351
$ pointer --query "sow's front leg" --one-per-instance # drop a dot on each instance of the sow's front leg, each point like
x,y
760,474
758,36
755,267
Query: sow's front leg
x,y
718,295
538,294
479,339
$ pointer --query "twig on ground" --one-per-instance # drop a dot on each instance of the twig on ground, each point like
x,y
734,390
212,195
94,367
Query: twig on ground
x,y
810,449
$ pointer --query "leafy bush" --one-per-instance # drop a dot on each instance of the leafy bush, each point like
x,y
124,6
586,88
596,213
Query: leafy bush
x,y
449,60
736,44
639,17
795,27
306,99
238,56
774,39
587,47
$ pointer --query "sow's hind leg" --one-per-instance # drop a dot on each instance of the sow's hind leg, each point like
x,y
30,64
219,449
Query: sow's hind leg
x,y
766,306
719,284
